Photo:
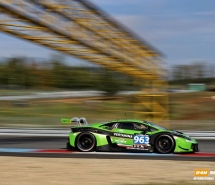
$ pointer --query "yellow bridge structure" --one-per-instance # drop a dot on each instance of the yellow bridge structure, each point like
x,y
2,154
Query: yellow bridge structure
x,y
78,28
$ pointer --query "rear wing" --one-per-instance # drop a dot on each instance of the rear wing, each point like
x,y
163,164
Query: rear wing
x,y
79,121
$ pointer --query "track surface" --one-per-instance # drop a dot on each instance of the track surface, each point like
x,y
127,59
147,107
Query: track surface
x,y
60,142
55,147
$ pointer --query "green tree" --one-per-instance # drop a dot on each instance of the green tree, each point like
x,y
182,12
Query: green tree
x,y
109,82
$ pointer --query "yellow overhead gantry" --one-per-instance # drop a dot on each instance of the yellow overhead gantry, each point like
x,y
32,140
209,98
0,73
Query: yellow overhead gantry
x,y
78,28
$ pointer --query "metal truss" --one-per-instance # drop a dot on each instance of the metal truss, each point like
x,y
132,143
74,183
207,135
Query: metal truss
x,y
78,28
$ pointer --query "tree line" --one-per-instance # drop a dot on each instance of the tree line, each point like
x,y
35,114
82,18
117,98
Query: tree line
x,y
23,72
20,72
197,72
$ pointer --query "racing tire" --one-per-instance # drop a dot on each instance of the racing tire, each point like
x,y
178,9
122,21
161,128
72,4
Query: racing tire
x,y
86,142
164,144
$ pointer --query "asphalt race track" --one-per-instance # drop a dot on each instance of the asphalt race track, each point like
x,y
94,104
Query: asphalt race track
x,y
55,147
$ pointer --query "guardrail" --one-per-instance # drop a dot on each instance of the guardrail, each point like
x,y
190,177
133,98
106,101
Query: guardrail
x,y
57,132
35,132
203,135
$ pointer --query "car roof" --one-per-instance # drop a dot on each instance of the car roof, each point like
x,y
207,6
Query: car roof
x,y
128,120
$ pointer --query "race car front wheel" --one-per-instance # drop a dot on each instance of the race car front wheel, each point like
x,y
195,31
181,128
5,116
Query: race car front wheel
x,y
164,144
86,142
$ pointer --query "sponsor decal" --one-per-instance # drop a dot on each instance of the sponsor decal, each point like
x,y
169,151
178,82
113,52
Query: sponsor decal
x,y
139,147
203,174
122,135
65,120
120,141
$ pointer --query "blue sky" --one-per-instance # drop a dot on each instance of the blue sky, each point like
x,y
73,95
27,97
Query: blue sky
x,y
184,30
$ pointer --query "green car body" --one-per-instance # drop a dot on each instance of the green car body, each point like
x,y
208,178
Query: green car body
x,y
127,135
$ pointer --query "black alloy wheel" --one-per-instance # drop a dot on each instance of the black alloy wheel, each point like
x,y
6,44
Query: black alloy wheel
x,y
164,144
86,142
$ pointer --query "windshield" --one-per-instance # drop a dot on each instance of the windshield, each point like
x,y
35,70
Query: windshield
x,y
156,126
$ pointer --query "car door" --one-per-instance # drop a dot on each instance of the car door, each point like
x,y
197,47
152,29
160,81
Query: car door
x,y
123,133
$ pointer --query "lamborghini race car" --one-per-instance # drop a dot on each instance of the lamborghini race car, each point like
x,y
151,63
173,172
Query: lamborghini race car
x,y
127,135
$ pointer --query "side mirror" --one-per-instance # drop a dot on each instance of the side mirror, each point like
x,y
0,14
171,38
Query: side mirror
x,y
145,131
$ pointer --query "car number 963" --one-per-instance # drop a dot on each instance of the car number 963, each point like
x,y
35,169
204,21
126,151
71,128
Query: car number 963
x,y
141,139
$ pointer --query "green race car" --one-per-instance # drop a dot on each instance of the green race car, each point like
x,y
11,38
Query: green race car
x,y
127,135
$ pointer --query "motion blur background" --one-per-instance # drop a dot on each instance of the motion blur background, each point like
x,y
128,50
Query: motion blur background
x,y
38,86
40,94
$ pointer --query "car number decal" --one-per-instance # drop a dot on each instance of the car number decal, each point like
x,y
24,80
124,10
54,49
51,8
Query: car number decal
x,y
141,139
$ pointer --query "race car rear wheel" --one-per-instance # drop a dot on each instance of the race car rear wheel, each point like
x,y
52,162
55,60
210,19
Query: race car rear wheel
x,y
164,144
86,142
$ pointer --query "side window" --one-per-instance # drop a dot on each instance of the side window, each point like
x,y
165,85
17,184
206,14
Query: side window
x,y
153,129
132,126
108,126
127,125
139,126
